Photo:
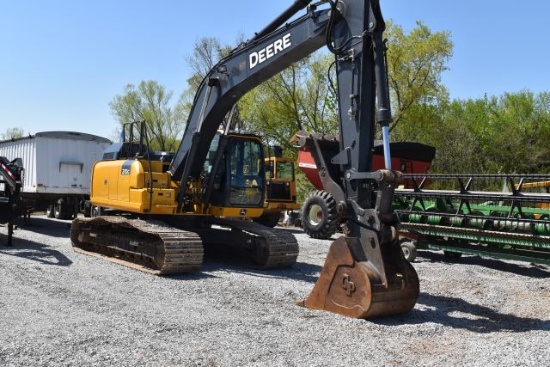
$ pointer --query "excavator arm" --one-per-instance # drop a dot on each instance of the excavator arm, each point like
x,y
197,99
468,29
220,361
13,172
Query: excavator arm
x,y
365,274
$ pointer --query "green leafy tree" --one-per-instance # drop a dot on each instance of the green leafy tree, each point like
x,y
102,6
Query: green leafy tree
x,y
505,134
149,101
514,135
457,145
301,98
415,63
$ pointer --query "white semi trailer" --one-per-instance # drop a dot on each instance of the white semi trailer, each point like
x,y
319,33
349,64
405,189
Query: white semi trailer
x,y
57,169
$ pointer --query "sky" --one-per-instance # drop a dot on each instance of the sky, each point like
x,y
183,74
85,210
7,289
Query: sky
x,y
62,61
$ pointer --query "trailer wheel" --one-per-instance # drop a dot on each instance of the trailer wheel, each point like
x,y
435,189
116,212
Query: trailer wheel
x,y
319,215
268,219
60,209
87,211
50,211
74,208
409,250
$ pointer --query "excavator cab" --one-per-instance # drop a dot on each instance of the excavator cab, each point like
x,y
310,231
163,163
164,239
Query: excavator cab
x,y
238,181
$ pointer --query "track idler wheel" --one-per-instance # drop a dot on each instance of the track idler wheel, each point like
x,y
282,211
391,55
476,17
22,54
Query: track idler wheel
x,y
350,288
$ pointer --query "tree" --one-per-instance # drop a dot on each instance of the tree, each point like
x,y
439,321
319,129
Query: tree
x,y
300,98
12,133
415,63
207,52
149,102
504,134
457,144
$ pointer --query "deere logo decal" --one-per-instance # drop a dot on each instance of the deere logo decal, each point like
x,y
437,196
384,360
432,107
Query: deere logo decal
x,y
266,53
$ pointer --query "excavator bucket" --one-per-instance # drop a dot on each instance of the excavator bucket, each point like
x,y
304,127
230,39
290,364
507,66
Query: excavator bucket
x,y
351,288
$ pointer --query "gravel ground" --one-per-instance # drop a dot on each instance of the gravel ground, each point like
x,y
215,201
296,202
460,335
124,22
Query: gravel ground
x,y
59,308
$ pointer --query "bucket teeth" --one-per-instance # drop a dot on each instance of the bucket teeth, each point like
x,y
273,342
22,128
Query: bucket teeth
x,y
350,287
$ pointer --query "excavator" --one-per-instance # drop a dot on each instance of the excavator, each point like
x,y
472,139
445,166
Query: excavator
x,y
132,179
172,207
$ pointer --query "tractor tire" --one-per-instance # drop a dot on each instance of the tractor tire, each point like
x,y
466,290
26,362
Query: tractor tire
x,y
319,215
268,219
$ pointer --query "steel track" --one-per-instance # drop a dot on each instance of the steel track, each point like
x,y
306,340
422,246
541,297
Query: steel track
x,y
150,246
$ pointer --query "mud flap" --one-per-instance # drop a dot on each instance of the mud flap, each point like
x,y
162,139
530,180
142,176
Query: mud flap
x,y
351,288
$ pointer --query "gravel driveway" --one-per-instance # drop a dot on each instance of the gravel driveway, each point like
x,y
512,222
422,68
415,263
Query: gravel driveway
x,y
60,308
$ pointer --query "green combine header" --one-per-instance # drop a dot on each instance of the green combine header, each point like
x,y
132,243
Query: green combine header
x,y
502,216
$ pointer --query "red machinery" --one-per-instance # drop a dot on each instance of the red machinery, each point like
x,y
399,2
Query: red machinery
x,y
407,157
319,214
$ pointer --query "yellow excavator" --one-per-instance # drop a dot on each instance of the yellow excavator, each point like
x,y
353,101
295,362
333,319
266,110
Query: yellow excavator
x,y
158,212
136,219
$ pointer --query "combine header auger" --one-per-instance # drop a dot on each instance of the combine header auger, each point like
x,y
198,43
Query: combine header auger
x,y
502,216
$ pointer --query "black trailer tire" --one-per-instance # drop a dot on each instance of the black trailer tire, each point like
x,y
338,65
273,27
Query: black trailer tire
x,y
268,219
319,215
409,250
87,211
50,211
74,208
60,209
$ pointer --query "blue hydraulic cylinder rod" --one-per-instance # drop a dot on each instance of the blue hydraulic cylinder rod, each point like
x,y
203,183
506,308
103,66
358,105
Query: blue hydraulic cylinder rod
x,y
386,143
